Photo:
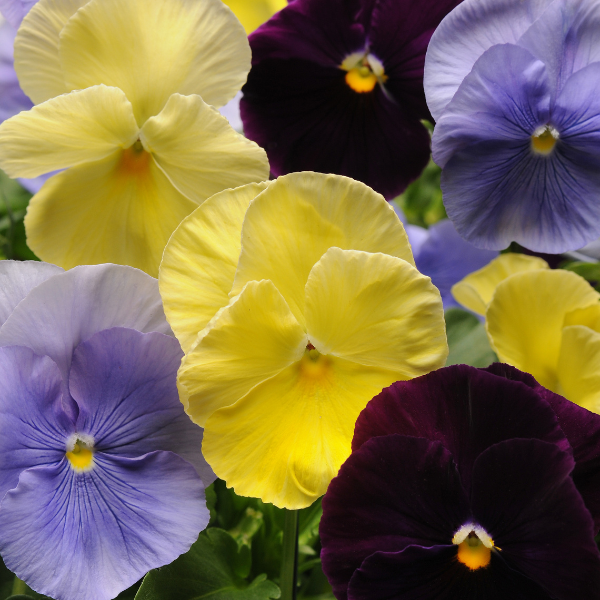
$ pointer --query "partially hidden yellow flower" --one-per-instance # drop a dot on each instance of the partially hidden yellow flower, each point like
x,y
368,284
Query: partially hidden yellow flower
x,y
124,90
545,322
253,13
295,302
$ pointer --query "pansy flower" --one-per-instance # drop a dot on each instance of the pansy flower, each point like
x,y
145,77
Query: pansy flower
x,y
515,89
123,92
101,474
466,484
336,86
295,302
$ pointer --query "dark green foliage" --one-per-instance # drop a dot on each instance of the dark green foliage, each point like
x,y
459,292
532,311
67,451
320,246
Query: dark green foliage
x,y
467,340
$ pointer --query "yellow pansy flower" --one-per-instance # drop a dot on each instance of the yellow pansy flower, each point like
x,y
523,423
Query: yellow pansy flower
x,y
545,322
295,301
253,13
124,90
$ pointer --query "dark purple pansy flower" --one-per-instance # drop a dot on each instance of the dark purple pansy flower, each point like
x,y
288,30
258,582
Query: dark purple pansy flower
x,y
336,86
466,484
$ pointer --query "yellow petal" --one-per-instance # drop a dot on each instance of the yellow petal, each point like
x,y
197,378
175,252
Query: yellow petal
x,y
299,217
121,209
37,59
253,13
66,131
589,316
579,367
286,439
199,262
376,310
254,338
525,319
152,49
199,151
476,290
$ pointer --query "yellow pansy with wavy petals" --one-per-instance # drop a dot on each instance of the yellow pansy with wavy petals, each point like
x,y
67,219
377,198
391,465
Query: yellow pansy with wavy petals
x,y
296,302
124,90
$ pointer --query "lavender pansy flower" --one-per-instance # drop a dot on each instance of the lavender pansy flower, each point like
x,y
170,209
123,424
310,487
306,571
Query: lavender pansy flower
x,y
467,483
101,474
15,10
518,121
336,86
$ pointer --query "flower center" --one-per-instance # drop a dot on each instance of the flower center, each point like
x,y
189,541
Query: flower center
x,y
474,546
80,452
364,72
544,139
314,365
135,160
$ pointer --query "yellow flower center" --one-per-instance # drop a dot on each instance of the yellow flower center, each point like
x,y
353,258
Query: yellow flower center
x,y
314,365
544,139
81,456
361,79
474,546
135,161
364,72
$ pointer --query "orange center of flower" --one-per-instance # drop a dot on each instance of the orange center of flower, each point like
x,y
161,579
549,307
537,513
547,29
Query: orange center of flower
x,y
314,365
473,554
361,79
364,72
544,139
135,161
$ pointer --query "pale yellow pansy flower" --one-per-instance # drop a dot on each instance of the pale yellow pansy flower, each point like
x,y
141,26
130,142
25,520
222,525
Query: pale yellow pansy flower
x,y
295,302
125,93
544,322
253,13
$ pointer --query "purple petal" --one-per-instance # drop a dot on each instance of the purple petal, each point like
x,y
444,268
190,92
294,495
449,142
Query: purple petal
x,y
124,383
14,10
394,492
417,573
33,186
525,499
447,258
18,278
33,427
91,535
464,408
464,35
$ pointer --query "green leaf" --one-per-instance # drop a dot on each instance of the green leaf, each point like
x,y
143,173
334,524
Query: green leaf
x,y
589,271
20,597
467,340
209,570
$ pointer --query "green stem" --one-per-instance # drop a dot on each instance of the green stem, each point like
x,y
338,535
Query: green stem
x,y
289,556
18,587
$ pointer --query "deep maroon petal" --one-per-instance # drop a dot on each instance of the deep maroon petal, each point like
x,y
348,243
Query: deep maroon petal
x,y
394,492
524,497
464,408
582,429
419,573
308,119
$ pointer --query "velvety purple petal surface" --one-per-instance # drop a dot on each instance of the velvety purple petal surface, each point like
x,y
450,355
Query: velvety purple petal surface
x,y
14,10
525,499
12,98
394,492
464,35
447,258
308,119
18,278
124,383
464,408
91,535
418,573
33,426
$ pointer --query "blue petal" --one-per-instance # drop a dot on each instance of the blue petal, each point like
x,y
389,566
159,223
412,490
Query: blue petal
x,y
91,535
124,383
33,427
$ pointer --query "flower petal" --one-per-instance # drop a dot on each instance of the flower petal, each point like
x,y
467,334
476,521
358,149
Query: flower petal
x,y
375,310
70,130
124,383
37,59
129,211
464,35
286,439
525,319
394,492
548,533
14,10
476,290
152,50
109,526
200,260
299,217
198,150
70,307
33,427
17,279
252,339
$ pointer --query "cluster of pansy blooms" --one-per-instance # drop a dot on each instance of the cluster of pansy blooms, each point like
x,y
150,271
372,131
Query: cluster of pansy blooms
x,y
294,343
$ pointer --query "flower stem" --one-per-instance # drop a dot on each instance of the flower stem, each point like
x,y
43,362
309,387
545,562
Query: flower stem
x,y
289,556
18,587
